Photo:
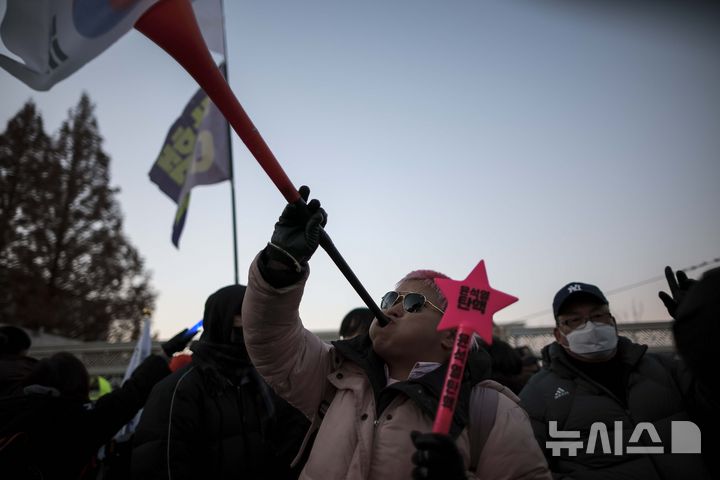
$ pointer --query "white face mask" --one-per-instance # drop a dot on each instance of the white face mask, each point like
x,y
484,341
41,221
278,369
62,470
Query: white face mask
x,y
593,341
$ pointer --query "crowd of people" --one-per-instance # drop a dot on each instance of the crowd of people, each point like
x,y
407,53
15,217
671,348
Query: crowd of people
x,y
260,396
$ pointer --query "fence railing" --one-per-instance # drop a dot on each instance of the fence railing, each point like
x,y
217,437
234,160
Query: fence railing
x,y
111,359
656,335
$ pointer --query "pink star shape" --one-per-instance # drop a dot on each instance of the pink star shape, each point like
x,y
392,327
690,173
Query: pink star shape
x,y
472,302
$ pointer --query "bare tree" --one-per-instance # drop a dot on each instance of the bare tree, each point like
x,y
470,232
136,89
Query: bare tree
x,y
65,264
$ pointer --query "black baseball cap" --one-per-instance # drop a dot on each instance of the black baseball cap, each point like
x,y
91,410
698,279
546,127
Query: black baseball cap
x,y
573,288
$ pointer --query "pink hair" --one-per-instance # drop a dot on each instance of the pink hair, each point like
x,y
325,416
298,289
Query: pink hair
x,y
427,278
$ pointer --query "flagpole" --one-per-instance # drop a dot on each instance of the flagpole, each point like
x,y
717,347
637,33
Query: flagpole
x,y
230,152
232,196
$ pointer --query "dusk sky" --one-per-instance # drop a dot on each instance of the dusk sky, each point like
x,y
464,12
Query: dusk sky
x,y
558,141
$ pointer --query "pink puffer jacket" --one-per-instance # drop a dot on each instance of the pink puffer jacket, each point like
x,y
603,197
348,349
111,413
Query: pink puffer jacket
x,y
352,442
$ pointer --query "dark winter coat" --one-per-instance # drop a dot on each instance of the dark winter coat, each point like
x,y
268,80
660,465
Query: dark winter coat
x,y
216,418
13,369
658,389
45,435
238,431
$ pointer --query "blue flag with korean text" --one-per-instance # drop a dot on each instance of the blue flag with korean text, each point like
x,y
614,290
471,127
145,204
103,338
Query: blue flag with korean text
x,y
195,152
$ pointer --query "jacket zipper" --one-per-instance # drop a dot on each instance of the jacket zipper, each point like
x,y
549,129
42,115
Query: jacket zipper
x,y
633,422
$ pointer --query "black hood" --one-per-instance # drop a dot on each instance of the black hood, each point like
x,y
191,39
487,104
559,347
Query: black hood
x,y
220,308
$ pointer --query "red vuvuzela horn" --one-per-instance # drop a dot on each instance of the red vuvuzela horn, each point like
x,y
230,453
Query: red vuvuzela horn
x,y
171,24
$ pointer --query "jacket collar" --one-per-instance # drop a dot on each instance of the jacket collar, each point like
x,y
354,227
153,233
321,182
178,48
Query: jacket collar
x,y
478,367
359,351
420,369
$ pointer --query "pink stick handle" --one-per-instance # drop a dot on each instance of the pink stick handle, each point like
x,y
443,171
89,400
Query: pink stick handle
x,y
453,380
171,24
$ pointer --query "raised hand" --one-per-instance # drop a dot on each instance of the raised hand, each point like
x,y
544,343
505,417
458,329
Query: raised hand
x,y
679,284
297,231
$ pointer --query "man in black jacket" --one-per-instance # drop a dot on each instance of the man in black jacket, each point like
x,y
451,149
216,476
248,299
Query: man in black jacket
x,y
217,418
603,407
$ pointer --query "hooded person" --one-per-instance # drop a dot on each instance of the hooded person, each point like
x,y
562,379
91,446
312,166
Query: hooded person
x,y
216,417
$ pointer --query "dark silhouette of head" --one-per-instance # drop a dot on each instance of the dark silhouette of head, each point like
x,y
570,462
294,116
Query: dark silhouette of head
x,y
506,363
63,372
221,308
505,360
14,340
356,322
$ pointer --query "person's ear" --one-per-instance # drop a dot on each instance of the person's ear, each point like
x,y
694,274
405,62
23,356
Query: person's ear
x,y
559,337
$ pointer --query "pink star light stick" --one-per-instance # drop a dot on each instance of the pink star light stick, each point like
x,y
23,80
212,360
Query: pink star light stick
x,y
471,305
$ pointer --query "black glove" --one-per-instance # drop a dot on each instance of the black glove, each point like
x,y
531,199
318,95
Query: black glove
x,y
436,457
176,343
297,231
678,289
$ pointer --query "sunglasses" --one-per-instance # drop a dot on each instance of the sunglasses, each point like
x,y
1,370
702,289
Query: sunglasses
x,y
411,302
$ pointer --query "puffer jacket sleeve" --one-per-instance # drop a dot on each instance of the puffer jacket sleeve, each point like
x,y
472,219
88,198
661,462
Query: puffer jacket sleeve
x,y
117,408
293,361
511,451
532,400
701,404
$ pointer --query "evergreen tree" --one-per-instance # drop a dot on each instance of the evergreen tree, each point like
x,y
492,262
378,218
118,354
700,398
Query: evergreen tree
x,y
65,264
